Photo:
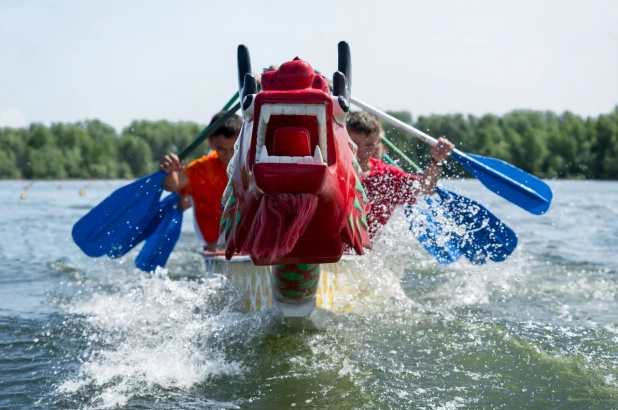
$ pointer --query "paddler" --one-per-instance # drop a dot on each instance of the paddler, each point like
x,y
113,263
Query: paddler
x,y
387,186
202,182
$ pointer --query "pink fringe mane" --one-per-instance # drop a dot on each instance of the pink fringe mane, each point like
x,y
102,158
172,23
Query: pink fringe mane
x,y
280,220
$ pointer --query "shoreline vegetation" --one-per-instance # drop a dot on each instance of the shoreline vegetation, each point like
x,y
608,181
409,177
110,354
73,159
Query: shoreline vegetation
x,y
546,144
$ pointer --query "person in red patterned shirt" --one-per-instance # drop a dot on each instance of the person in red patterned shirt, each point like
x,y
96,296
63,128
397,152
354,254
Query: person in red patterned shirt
x,y
387,186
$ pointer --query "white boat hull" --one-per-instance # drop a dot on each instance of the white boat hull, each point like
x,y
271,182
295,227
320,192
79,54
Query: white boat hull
x,y
256,283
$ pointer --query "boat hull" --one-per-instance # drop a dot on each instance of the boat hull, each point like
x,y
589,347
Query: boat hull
x,y
257,284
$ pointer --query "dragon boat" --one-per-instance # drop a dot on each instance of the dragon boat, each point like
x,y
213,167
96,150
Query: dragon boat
x,y
294,202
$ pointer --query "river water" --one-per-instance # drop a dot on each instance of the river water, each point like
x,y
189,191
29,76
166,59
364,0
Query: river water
x,y
538,331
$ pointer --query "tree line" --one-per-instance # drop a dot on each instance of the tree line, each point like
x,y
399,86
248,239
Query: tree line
x,y
542,143
92,149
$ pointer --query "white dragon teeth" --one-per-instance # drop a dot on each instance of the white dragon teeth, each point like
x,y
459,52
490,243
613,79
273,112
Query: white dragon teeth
x,y
264,155
317,110
261,135
317,156
274,159
321,116
311,109
265,113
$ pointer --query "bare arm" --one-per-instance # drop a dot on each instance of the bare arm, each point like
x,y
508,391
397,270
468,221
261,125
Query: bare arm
x,y
432,173
176,180
184,203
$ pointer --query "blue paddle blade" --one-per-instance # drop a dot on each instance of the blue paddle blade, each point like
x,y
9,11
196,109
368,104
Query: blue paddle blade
x,y
126,211
160,244
135,237
482,236
431,235
511,183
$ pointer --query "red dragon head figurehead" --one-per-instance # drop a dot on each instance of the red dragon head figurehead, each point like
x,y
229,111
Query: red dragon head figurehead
x,y
294,194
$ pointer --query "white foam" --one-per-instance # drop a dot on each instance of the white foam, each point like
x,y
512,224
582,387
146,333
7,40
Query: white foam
x,y
154,333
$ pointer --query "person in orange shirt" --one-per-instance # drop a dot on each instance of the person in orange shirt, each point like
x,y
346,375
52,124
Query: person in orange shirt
x,y
202,182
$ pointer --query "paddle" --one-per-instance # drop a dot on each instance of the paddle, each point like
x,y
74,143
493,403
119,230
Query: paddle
x,y
115,225
437,240
504,179
160,244
130,241
485,236
427,230
454,226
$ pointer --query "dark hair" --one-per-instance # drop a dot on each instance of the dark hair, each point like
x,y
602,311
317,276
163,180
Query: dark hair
x,y
364,122
230,128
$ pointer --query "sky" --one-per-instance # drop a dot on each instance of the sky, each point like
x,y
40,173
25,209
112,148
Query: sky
x,y
118,61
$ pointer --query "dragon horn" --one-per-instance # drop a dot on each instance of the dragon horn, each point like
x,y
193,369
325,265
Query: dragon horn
x,y
244,65
342,79
246,81
344,64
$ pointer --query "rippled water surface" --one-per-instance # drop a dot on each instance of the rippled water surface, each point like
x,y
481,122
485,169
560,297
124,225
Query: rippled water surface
x,y
537,331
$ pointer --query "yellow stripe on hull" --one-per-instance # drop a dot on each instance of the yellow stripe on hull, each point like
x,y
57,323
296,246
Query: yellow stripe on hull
x,y
255,281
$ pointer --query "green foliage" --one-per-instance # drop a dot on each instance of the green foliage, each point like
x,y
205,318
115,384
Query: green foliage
x,y
163,136
7,165
91,149
543,143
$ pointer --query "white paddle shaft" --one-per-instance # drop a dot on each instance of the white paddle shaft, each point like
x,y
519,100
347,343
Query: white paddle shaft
x,y
395,122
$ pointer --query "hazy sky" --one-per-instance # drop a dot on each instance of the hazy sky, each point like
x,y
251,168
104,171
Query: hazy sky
x,y
176,60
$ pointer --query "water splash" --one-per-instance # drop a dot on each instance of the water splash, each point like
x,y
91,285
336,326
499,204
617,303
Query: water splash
x,y
153,335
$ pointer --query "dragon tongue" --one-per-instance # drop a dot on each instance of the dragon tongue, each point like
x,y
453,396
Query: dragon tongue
x,y
292,142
